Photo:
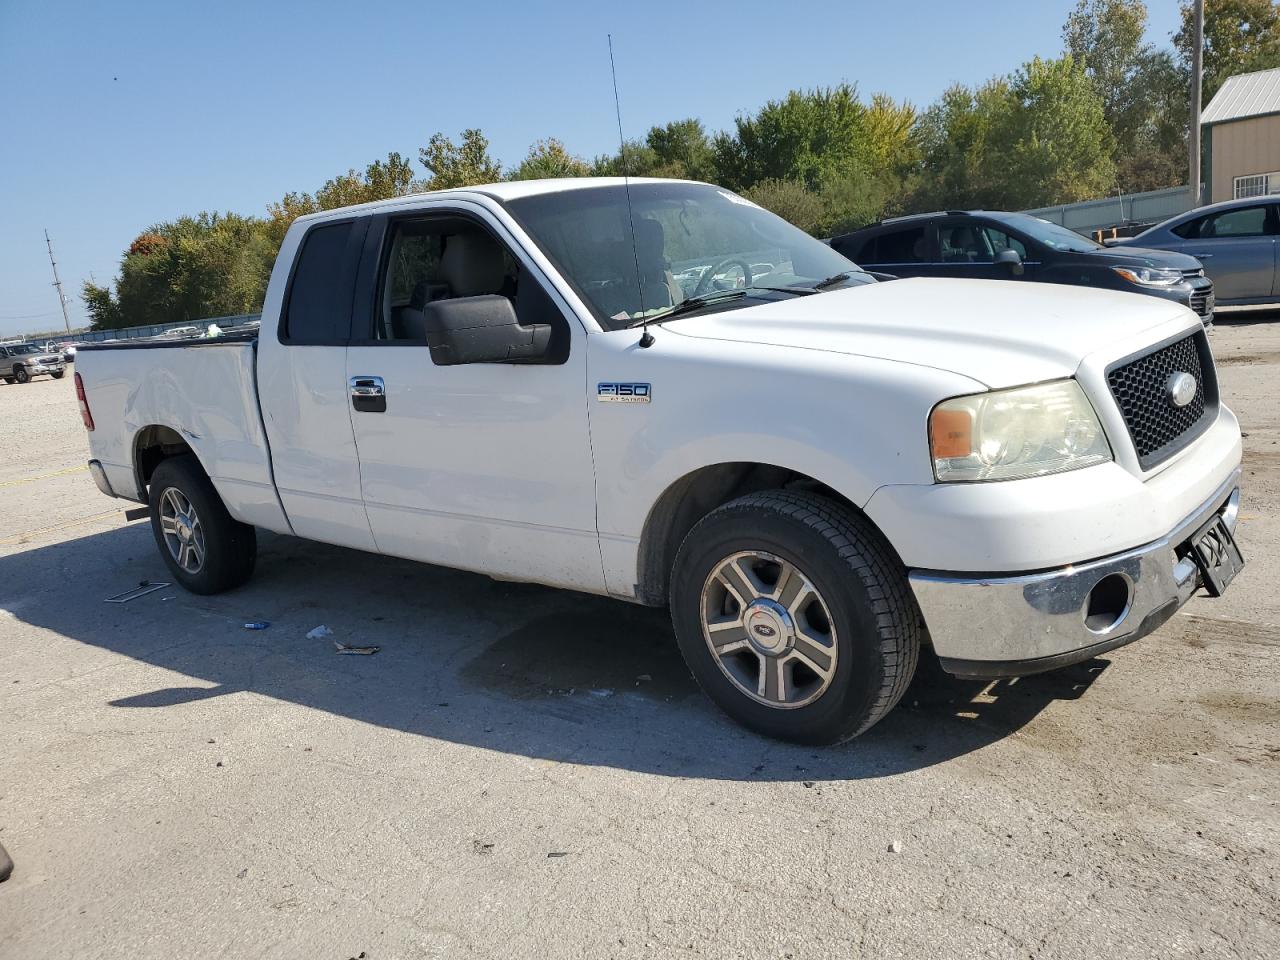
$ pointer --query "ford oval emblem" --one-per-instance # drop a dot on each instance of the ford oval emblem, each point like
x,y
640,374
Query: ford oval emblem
x,y
764,630
1180,388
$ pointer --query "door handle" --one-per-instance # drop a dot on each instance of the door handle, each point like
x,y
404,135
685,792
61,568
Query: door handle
x,y
368,394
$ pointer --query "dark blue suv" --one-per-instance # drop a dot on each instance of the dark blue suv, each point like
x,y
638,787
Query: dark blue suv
x,y
990,245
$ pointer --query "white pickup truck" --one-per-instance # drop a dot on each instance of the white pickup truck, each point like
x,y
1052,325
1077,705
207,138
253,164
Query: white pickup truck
x,y
819,473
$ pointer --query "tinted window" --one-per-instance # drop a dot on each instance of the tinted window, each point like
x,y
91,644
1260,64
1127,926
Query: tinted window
x,y
856,248
901,246
1244,222
319,305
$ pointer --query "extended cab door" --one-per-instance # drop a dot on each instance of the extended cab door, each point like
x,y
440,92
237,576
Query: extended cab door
x,y
302,382
483,466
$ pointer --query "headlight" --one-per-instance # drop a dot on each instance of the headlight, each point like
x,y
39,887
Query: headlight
x,y
1150,276
1023,432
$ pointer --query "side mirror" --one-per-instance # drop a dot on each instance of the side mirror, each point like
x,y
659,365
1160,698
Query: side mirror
x,y
482,329
1010,258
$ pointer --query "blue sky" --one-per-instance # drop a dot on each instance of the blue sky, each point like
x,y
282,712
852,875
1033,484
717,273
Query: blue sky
x,y
114,116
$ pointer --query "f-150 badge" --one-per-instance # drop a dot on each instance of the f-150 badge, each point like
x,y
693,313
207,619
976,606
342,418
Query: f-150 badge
x,y
623,392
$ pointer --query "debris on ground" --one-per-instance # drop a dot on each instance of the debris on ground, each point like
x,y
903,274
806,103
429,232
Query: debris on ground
x,y
6,864
557,853
480,848
222,762
141,590
257,625
895,846
359,651
319,632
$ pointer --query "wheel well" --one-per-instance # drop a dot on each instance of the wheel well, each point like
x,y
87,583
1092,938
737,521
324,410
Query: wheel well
x,y
152,446
690,499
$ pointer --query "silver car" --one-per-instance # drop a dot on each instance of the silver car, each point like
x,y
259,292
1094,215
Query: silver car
x,y
1234,240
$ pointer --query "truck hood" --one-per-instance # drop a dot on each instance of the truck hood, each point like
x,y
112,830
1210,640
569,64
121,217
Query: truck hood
x,y
1000,333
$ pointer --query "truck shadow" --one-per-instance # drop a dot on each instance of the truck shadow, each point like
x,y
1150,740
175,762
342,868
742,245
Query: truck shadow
x,y
511,667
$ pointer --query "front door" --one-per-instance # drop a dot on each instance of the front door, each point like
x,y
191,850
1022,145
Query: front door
x,y
1237,249
969,248
483,466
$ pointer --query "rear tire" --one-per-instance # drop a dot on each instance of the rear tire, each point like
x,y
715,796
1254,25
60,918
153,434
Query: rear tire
x,y
829,636
206,550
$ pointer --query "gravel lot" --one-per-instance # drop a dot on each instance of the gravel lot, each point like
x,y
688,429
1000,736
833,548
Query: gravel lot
x,y
526,773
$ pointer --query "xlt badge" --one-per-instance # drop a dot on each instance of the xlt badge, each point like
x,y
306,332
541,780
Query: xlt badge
x,y
623,392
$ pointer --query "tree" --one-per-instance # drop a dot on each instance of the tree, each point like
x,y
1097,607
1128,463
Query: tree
x,y
792,201
1052,140
1240,36
799,138
682,149
102,307
959,168
549,158
1143,95
459,165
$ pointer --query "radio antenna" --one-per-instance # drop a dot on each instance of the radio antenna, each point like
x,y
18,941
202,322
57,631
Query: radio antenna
x,y
646,338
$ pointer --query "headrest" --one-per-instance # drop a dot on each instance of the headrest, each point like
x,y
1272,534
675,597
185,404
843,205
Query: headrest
x,y
472,264
649,243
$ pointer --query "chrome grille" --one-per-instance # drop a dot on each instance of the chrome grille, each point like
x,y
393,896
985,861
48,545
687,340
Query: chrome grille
x,y
1140,387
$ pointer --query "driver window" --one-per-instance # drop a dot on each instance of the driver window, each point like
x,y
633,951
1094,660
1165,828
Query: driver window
x,y
1001,241
964,243
446,257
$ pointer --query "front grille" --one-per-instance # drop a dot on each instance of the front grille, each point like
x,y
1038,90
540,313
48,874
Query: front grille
x,y
1140,387
1202,302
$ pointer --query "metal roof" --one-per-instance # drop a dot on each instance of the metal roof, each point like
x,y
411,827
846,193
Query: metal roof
x,y
1244,95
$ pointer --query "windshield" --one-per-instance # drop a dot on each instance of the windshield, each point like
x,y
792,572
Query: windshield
x,y
23,348
1050,234
690,240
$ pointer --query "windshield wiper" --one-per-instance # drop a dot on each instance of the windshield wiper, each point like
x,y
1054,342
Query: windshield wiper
x,y
832,280
717,296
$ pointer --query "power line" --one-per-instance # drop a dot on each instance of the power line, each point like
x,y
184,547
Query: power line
x,y
57,283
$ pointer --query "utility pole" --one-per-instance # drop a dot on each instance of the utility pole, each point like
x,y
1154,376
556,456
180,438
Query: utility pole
x,y
57,283
1197,81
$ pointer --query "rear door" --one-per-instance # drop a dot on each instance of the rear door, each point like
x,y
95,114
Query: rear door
x,y
302,386
483,466
1237,248
904,251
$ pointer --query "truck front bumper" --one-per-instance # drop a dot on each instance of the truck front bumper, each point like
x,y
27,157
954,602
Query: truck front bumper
x,y
1005,626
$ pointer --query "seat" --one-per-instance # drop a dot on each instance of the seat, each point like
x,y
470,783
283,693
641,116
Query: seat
x,y
472,265
658,286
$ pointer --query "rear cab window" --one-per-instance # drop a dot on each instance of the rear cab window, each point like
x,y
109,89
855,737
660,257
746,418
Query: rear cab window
x,y
908,245
319,300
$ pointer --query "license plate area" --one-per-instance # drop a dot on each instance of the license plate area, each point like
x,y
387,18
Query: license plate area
x,y
1217,556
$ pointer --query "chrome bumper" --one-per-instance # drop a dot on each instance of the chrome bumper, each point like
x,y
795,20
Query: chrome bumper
x,y
993,626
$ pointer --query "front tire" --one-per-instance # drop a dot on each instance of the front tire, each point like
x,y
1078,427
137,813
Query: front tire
x,y
59,375
20,374
795,616
206,550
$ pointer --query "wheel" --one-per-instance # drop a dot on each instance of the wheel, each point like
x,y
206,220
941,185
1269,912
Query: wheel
x,y
795,616
58,375
20,374
8,379
206,550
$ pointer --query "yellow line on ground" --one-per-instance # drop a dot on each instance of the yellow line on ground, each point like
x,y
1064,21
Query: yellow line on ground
x,y
20,537
45,476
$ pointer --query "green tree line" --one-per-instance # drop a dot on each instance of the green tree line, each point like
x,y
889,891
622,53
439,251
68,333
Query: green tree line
x,y
1109,114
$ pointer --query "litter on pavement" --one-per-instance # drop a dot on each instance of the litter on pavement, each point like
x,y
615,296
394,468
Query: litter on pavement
x,y
359,651
257,625
319,632
141,590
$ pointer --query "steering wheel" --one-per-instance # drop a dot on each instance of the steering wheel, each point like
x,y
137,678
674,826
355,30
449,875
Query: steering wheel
x,y
710,272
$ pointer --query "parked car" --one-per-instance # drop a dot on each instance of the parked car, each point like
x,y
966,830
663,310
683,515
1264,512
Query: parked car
x,y
990,245
1234,240
23,361
68,350
824,477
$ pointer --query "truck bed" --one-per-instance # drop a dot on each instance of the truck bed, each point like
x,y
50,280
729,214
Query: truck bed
x,y
205,392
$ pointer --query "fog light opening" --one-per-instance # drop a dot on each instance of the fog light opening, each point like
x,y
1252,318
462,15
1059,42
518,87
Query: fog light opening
x,y
1108,603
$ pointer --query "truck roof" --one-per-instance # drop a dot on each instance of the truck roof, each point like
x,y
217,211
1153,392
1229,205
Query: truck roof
x,y
506,190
